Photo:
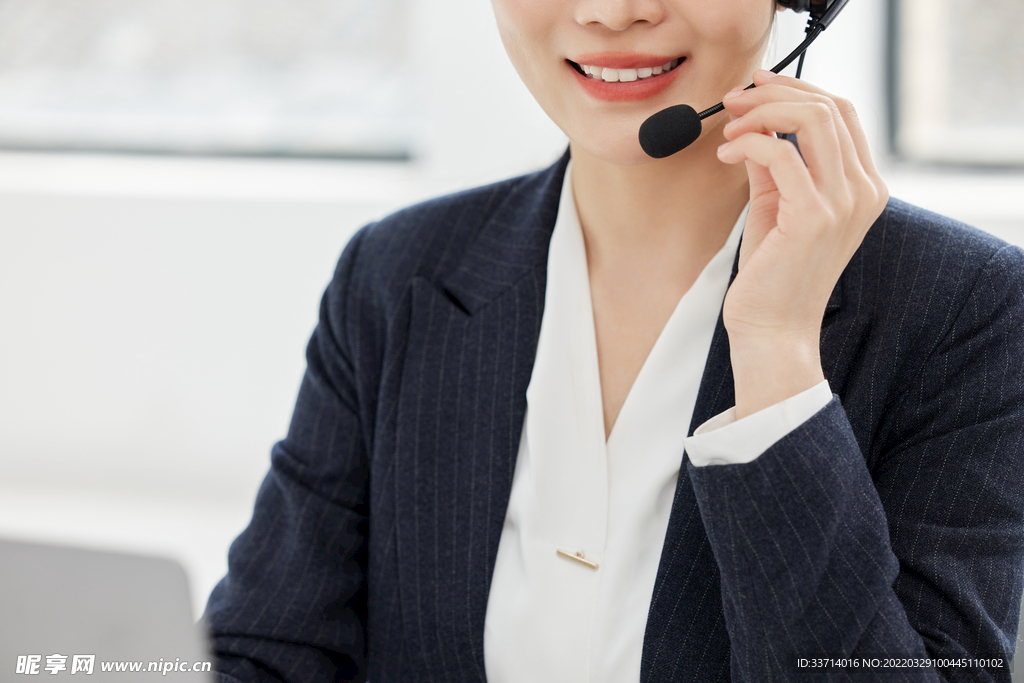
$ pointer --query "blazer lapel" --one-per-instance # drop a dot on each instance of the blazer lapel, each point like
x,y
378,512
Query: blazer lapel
x,y
472,340
685,637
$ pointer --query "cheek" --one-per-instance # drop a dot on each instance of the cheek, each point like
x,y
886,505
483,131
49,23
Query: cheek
x,y
526,28
739,28
523,26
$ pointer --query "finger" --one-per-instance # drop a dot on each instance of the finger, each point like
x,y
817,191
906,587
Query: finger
x,y
749,100
866,193
732,93
846,110
814,125
782,160
763,188
760,179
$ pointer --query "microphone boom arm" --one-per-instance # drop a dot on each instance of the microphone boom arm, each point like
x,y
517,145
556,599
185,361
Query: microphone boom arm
x,y
675,128
812,32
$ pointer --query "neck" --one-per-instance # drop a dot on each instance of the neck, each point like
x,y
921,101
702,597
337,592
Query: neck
x,y
679,209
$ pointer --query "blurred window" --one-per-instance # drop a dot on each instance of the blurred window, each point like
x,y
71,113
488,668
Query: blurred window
x,y
958,81
245,77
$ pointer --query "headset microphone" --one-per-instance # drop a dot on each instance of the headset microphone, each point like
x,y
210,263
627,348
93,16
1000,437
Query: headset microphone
x,y
675,128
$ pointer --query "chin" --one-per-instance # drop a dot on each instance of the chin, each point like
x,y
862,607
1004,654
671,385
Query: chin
x,y
631,155
622,150
614,138
620,146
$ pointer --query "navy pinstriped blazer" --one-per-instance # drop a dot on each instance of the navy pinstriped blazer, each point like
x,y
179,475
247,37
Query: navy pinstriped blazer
x,y
891,523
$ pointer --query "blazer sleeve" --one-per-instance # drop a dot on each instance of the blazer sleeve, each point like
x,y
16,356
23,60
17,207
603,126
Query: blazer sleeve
x,y
293,604
917,558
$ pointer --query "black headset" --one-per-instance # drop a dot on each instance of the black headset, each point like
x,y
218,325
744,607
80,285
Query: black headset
x,y
816,7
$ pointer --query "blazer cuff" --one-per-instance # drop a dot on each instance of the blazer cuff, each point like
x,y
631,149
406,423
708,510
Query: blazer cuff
x,y
724,440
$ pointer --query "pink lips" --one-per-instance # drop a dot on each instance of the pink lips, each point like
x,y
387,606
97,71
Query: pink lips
x,y
633,91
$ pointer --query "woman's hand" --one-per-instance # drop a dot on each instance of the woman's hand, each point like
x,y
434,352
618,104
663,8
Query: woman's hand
x,y
807,218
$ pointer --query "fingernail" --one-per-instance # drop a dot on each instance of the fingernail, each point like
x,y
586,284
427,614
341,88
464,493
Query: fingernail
x,y
722,148
733,93
764,73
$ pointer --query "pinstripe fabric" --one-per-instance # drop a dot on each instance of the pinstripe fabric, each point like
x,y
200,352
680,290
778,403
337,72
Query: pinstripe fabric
x,y
891,522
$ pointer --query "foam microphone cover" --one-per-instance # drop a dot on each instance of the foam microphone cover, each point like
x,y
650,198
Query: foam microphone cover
x,y
669,131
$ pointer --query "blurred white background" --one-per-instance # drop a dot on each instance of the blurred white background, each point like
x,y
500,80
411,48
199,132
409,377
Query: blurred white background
x,y
154,310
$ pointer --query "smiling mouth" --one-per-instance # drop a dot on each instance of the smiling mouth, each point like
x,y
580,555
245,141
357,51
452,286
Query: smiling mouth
x,y
600,73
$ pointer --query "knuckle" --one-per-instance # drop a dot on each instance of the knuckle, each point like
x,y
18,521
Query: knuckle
x,y
874,189
865,187
822,113
829,102
790,151
845,106
871,197
882,193
848,114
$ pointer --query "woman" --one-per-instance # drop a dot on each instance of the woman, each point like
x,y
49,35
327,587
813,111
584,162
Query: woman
x,y
467,493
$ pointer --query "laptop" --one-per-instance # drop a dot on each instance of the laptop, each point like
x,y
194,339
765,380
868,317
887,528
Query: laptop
x,y
68,612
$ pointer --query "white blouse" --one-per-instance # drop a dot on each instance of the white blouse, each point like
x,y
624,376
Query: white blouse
x,y
551,617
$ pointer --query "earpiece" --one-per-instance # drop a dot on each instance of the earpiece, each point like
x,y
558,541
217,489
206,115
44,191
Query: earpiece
x,y
796,5
817,8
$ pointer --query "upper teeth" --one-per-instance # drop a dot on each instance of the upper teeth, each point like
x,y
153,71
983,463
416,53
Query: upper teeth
x,y
626,75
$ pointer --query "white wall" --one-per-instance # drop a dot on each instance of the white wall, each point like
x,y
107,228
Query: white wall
x,y
150,351
154,312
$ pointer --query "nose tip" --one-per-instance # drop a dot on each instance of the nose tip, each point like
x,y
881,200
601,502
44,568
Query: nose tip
x,y
619,15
